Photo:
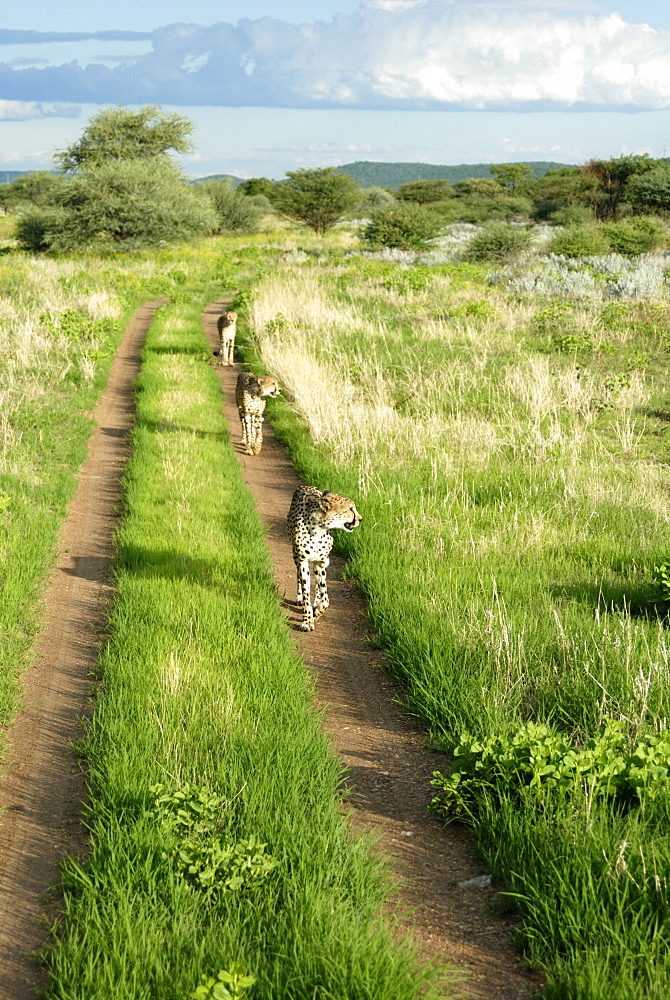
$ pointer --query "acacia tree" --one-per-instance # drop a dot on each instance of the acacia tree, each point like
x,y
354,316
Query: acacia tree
x,y
611,178
122,190
130,205
318,197
511,176
650,191
121,134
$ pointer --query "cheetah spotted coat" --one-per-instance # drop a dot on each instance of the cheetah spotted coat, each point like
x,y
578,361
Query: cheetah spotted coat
x,y
250,395
311,516
227,325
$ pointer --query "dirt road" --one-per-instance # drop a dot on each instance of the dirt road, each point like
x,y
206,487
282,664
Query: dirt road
x,y
42,789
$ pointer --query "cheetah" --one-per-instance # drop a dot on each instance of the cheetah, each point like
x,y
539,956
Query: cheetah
x,y
311,516
227,325
250,394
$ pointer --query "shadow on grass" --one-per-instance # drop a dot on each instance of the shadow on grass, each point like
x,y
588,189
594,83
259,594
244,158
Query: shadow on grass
x,y
663,415
638,601
151,563
169,426
195,351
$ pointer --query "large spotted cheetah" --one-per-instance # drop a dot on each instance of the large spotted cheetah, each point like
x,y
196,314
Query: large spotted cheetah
x,y
311,516
226,324
250,393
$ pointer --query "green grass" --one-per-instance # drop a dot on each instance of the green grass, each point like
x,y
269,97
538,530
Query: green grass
x,y
513,484
61,321
200,685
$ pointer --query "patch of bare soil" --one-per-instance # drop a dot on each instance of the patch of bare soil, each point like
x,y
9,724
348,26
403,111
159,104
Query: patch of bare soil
x,y
386,754
43,788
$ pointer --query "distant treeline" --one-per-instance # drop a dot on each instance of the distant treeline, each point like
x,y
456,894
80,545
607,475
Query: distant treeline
x,y
392,175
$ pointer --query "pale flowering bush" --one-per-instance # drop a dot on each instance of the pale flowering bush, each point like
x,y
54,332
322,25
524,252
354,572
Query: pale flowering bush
x,y
610,276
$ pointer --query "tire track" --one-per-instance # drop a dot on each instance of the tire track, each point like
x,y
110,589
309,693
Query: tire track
x,y
43,787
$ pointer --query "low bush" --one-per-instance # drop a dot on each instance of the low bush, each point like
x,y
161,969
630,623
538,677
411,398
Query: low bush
x,y
374,199
498,242
405,226
235,212
580,241
37,226
634,236
572,215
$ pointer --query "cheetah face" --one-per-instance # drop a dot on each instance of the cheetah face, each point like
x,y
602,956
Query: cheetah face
x,y
268,385
340,512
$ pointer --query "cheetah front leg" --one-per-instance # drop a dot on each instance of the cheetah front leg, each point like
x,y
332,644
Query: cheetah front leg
x,y
248,433
304,587
321,601
258,435
231,349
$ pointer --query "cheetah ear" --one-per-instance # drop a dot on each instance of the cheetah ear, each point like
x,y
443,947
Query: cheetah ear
x,y
323,501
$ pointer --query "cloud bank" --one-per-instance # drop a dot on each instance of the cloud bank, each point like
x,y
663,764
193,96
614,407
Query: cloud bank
x,y
19,111
387,54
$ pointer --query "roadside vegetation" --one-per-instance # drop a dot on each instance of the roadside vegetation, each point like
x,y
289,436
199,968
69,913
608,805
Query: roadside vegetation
x,y
216,841
505,434
60,323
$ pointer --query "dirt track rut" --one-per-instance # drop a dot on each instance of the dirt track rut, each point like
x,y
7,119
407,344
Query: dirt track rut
x,y
42,789
389,764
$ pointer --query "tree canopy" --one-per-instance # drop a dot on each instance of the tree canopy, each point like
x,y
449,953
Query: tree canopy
x,y
121,205
318,197
510,175
119,133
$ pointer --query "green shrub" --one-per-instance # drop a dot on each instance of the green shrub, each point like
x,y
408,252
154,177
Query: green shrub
x,y
127,205
36,227
572,215
374,199
635,236
498,242
404,226
580,241
235,211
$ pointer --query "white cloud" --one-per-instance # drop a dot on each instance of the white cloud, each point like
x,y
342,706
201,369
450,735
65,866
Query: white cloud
x,y
418,54
25,110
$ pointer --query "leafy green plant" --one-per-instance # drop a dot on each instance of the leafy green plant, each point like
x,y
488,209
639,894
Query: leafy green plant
x,y
411,279
569,343
662,577
535,757
229,984
191,809
235,211
37,226
217,865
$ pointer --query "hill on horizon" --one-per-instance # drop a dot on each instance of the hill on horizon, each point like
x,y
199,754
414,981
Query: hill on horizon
x,y
218,177
373,173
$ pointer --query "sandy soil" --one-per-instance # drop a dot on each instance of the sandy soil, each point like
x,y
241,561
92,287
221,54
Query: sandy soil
x,y
386,754
42,790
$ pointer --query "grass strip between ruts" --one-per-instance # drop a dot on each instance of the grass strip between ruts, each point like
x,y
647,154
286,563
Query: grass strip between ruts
x,y
201,685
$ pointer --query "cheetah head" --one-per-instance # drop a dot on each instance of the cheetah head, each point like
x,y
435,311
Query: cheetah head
x,y
268,385
340,512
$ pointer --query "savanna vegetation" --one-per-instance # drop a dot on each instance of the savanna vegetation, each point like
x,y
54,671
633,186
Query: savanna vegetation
x,y
492,394
505,433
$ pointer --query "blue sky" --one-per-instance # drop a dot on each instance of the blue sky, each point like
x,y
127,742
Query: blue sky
x,y
272,86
